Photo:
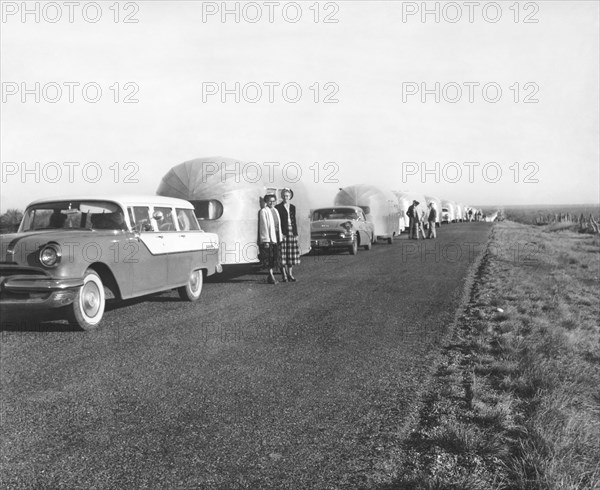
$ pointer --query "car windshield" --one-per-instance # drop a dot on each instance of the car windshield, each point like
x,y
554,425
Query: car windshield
x,y
73,215
335,213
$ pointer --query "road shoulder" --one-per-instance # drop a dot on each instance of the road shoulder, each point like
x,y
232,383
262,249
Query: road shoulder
x,y
513,402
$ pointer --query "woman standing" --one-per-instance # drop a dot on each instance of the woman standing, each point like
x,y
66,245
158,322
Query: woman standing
x,y
269,232
290,252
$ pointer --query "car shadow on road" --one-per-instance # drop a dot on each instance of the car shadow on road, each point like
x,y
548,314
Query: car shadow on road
x,y
35,323
237,273
55,320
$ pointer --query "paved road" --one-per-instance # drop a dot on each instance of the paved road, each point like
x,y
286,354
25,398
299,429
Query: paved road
x,y
300,385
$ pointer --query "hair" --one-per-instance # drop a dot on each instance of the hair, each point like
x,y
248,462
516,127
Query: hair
x,y
269,196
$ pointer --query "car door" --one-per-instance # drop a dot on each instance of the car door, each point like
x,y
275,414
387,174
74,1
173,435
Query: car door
x,y
179,260
150,268
185,243
365,228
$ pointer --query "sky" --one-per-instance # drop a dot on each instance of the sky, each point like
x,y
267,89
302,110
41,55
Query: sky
x,y
103,98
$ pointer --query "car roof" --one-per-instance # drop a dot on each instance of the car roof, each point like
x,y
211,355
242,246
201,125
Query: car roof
x,y
341,206
124,200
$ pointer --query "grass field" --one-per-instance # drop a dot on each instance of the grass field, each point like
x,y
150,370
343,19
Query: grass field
x,y
528,214
515,403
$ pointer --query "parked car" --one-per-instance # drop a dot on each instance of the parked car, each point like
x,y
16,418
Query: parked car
x,y
67,250
341,227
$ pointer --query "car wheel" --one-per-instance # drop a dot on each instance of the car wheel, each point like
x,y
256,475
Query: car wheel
x,y
88,307
369,244
354,248
191,291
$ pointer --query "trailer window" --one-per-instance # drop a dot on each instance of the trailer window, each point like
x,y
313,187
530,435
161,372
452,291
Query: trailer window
x,y
208,209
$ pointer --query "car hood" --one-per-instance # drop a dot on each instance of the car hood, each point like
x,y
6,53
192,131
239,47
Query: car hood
x,y
27,242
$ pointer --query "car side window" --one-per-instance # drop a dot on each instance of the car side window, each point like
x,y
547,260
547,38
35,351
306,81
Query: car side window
x,y
140,218
187,220
167,222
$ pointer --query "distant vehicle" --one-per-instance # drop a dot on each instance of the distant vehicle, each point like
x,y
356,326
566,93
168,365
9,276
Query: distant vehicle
x,y
341,227
448,212
227,195
380,207
67,250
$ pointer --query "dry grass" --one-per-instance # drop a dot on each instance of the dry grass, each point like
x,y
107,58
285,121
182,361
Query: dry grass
x,y
520,405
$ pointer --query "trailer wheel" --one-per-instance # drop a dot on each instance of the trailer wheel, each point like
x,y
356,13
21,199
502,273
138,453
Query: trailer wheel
x,y
390,240
369,244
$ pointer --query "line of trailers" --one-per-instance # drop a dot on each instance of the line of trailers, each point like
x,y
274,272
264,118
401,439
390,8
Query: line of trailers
x,y
226,202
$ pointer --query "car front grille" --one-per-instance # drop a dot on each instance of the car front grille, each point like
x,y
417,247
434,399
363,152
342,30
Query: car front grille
x,y
328,235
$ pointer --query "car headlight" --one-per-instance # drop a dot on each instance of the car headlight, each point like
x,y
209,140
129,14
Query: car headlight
x,y
347,226
50,255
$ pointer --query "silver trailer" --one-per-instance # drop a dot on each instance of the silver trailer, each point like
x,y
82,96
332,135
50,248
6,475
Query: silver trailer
x,y
227,195
380,206
449,212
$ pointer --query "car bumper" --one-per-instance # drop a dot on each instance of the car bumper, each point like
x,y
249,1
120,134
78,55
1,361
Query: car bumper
x,y
331,243
37,291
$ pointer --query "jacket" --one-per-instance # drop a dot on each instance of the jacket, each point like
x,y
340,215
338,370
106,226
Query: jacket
x,y
284,218
264,231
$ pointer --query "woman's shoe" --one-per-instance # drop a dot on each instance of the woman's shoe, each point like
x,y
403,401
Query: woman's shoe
x,y
284,278
292,278
271,280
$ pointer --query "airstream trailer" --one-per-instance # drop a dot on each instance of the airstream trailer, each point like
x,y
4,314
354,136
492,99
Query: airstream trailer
x,y
227,195
448,211
405,199
460,212
438,207
381,208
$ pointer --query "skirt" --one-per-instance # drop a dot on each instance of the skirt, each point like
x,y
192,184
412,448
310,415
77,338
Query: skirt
x,y
269,256
290,252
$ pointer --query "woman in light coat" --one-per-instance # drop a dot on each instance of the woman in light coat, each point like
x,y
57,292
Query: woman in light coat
x,y
269,232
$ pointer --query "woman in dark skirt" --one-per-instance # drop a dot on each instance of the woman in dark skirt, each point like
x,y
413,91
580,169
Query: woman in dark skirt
x,y
290,252
269,231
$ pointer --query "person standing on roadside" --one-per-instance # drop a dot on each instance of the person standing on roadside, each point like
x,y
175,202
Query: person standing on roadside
x,y
410,212
290,252
269,232
431,219
418,218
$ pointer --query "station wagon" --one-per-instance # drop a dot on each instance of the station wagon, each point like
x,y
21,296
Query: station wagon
x,y
68,250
